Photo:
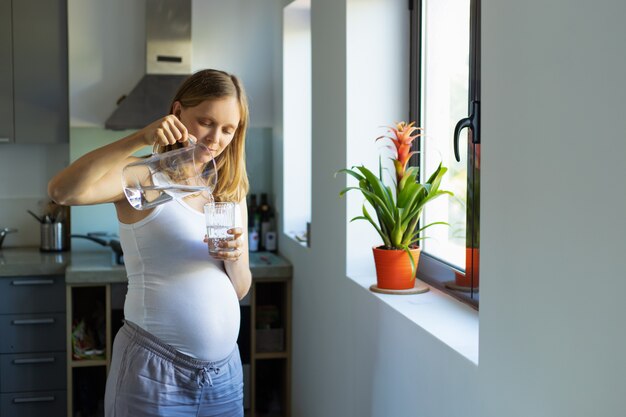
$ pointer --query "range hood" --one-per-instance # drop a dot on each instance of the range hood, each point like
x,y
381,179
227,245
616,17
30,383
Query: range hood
x,y
168,63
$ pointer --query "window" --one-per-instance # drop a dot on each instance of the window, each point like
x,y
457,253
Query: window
x,y
445,99
297,119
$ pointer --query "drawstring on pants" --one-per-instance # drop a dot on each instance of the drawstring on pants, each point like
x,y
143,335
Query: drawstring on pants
x,y
204,375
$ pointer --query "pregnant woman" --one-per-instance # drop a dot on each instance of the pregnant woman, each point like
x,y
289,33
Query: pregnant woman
x,y
177,353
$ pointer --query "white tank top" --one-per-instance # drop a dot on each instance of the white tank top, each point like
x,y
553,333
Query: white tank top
x,y
176,291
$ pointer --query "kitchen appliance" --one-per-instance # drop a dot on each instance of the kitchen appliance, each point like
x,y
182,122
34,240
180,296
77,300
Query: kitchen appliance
x,y
168,63
106,239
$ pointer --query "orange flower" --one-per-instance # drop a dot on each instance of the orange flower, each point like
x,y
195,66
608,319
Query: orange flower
x,y
403,136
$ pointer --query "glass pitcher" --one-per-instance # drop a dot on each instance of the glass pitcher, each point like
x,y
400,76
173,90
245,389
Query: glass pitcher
x,y
161,177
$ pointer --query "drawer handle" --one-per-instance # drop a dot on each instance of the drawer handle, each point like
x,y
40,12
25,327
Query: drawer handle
x,y
33,400
33,321
5,140
33,282
31,361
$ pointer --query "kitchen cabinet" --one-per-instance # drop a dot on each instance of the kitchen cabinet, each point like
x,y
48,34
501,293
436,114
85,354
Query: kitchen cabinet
x,y
32,348
34,104
6,72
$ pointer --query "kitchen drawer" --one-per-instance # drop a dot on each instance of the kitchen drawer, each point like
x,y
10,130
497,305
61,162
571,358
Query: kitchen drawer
x,y
37,294
34,404
32,333
33,372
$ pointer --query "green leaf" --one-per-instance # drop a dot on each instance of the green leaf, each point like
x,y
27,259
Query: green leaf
x,y
377,185
432,224
380,232
417,239
409,230
358,218
413,266
378,204
345,190
416,234
437,176
410,194
412,170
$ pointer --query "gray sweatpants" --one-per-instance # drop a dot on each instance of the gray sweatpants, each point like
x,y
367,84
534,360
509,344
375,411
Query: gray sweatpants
x,y
150,378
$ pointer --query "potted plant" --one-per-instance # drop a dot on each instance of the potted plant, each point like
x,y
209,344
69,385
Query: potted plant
x,y
398,208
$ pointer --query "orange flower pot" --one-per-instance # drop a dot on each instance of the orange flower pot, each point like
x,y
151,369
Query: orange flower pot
x,y
393,268
465,280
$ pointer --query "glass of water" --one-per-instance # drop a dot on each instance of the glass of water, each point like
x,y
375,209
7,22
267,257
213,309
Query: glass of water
x,y
219,217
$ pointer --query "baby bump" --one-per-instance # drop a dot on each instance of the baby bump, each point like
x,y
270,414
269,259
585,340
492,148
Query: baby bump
x,y
197,315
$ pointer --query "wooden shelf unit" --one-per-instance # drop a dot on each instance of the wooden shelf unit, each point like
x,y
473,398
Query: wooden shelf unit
x,y
71,310
276,401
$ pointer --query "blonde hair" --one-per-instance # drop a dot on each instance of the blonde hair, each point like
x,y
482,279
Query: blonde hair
x,y
210,84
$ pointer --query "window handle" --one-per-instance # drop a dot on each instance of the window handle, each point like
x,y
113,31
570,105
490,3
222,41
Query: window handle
x,y
470,122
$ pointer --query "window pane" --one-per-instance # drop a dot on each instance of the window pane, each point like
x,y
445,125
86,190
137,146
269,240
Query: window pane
x,y
445,74
297,118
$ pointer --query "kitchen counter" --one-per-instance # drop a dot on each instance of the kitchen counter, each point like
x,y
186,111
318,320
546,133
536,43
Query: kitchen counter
x,y
99,267
30,261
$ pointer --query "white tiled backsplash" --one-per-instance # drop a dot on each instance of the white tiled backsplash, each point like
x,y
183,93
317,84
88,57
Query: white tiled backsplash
x,y
24,173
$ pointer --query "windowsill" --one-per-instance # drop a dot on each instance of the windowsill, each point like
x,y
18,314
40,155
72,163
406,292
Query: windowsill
x,y
293,237
449,320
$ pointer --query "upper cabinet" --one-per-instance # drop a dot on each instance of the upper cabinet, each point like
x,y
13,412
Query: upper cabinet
x,y
6,72
34,104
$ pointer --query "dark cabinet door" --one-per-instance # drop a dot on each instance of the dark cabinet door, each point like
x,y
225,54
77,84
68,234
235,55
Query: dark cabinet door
x,y
32,333
33,404
40,71
25,372
6,72
32,294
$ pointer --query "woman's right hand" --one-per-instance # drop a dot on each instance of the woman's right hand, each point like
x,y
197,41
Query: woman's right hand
x,y
165,131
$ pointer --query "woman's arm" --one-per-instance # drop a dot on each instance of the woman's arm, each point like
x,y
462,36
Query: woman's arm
x,y
95,177
239,270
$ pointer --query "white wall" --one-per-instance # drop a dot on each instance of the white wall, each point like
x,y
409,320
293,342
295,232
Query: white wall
x,y
237,36
553,233
553,227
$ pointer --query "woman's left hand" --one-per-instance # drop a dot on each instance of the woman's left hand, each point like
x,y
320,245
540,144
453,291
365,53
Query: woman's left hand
x,y
230,250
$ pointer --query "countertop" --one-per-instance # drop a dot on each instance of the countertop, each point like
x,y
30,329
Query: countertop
x,y
99,267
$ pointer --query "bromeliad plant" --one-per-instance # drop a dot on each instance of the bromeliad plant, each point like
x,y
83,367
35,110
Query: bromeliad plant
x,y
398,208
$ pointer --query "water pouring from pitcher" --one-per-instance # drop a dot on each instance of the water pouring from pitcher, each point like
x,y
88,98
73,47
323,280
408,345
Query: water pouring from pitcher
x,y
174,174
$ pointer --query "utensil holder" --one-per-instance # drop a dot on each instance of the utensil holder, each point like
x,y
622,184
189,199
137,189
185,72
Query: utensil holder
x,y
52,237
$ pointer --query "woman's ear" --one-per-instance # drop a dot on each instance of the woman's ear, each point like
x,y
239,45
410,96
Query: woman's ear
x,y
176,108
